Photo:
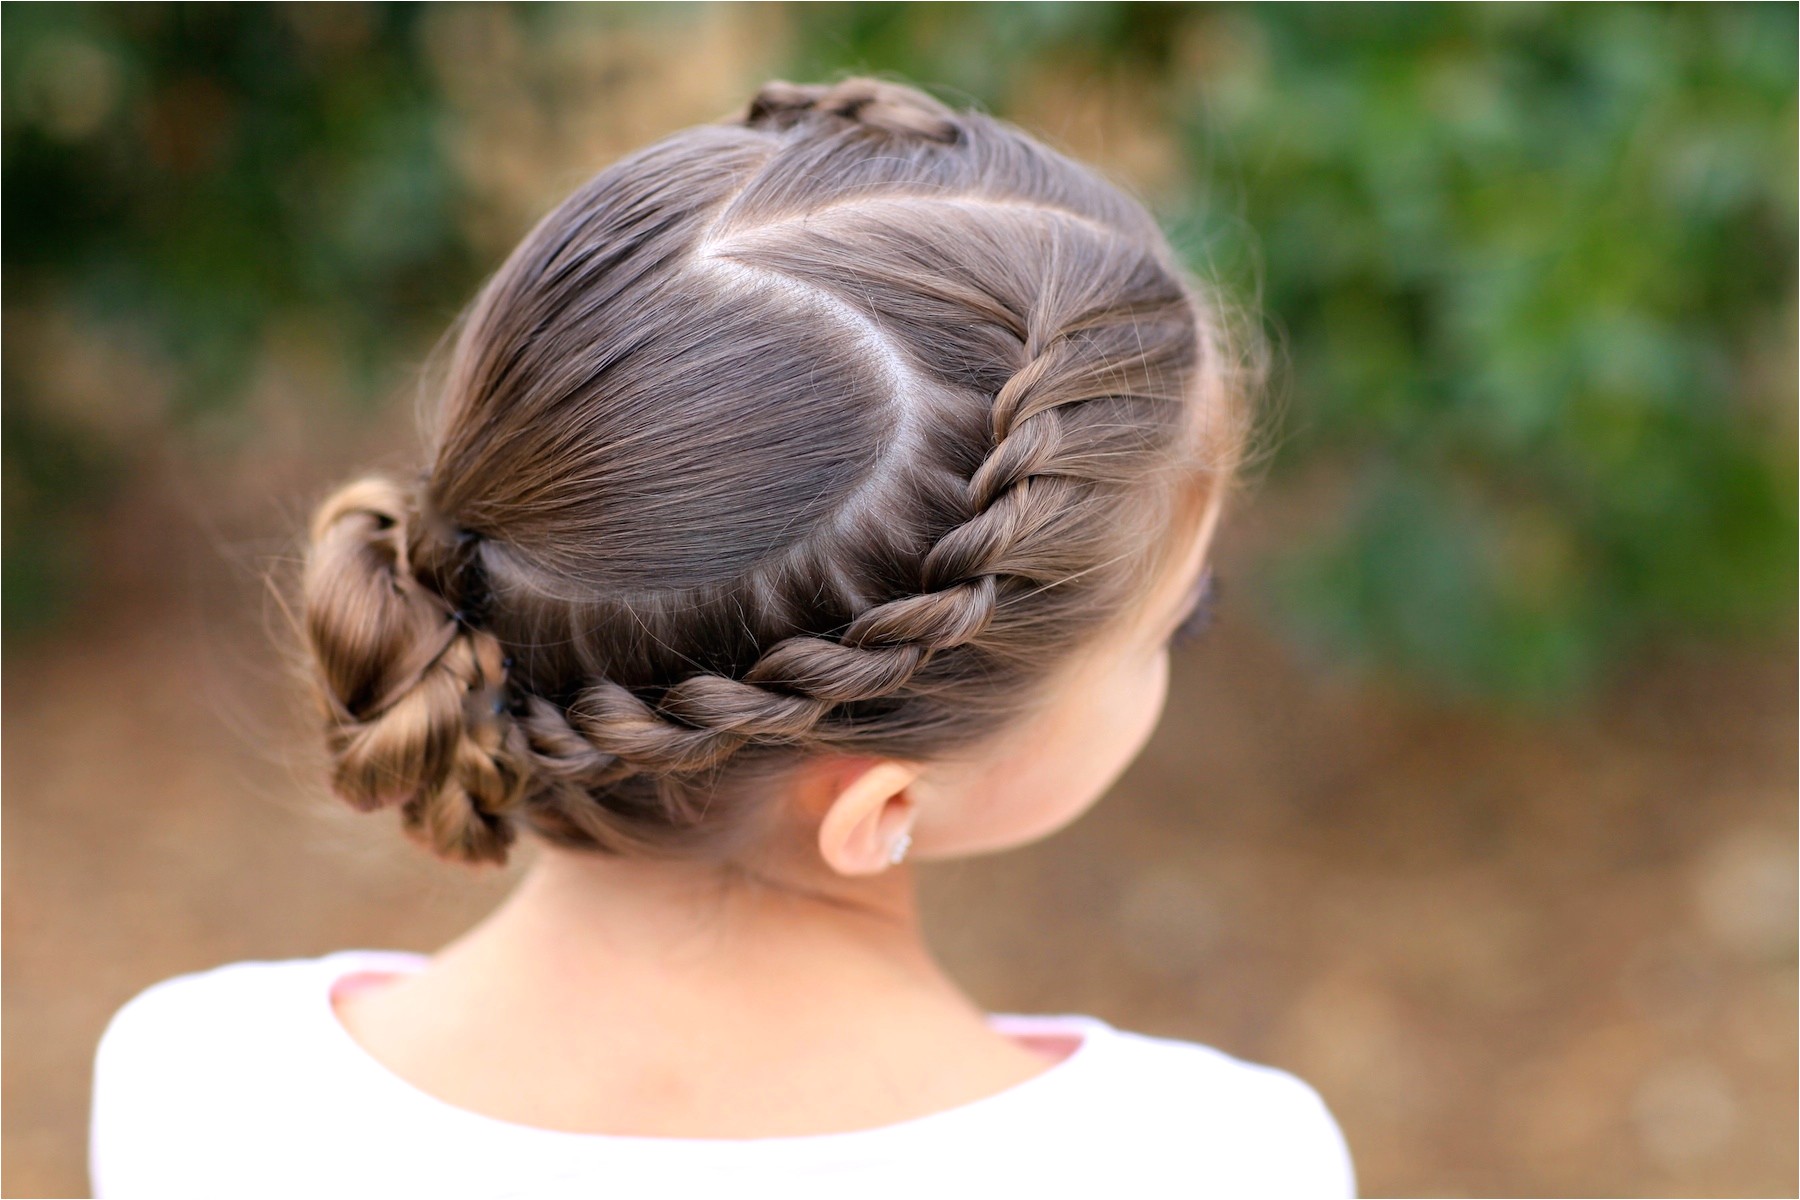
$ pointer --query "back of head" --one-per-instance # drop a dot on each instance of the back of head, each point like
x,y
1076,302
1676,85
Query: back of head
x,y
833,427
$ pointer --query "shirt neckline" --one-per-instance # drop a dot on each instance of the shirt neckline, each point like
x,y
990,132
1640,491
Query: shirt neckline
x,y
1006,1106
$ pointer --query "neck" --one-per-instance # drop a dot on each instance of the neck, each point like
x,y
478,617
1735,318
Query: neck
x,y
584,936
649,999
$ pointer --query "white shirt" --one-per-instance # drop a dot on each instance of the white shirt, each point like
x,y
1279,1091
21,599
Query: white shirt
x,y
240,1081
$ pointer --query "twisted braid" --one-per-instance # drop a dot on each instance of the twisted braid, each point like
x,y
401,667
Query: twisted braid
x,y
795,684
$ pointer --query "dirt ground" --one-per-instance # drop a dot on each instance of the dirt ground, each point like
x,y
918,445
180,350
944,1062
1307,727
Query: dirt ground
x,y
1518,956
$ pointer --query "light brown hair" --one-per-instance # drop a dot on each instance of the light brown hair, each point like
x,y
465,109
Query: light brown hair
x,y
835,426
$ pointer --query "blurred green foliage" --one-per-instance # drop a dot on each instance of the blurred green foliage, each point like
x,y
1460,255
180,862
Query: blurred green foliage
x,y
194,174
1529,261
1530,270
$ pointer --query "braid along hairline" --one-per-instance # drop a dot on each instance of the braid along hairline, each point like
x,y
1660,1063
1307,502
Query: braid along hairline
x,y
791,687
701,720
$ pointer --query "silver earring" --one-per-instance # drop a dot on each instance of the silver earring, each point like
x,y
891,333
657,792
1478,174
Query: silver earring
x,y
902,844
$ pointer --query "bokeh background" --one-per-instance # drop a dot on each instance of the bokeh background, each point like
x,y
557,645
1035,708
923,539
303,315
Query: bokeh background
x,y
1477,809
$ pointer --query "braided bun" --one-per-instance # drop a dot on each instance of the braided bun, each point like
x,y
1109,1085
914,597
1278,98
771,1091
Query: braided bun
x,y
782,441
409,694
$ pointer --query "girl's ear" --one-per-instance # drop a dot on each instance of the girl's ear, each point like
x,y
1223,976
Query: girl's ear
x,y
869,814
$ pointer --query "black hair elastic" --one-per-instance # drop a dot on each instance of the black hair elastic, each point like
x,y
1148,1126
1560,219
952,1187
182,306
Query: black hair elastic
x,y
463,581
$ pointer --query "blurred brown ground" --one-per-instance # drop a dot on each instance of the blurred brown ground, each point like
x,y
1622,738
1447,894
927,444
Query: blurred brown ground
x,y
1517,956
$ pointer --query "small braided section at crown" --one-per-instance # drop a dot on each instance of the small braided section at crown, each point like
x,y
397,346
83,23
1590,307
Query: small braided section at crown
x,y
874,103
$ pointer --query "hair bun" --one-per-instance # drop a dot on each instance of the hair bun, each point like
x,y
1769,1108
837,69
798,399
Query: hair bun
x,y
874,103
407,688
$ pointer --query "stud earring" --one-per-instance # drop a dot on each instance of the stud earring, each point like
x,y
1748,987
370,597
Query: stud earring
x,y
902,844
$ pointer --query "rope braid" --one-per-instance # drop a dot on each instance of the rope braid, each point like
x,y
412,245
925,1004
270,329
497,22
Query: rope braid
x,y
424,708
703,719
796,682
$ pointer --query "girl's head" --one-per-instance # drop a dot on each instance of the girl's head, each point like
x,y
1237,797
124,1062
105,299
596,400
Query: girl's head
x,y
850,430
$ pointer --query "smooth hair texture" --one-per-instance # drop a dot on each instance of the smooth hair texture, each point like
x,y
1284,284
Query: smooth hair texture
x,y
836,426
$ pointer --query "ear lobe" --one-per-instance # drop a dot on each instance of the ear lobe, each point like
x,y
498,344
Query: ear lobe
x,y
866,819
